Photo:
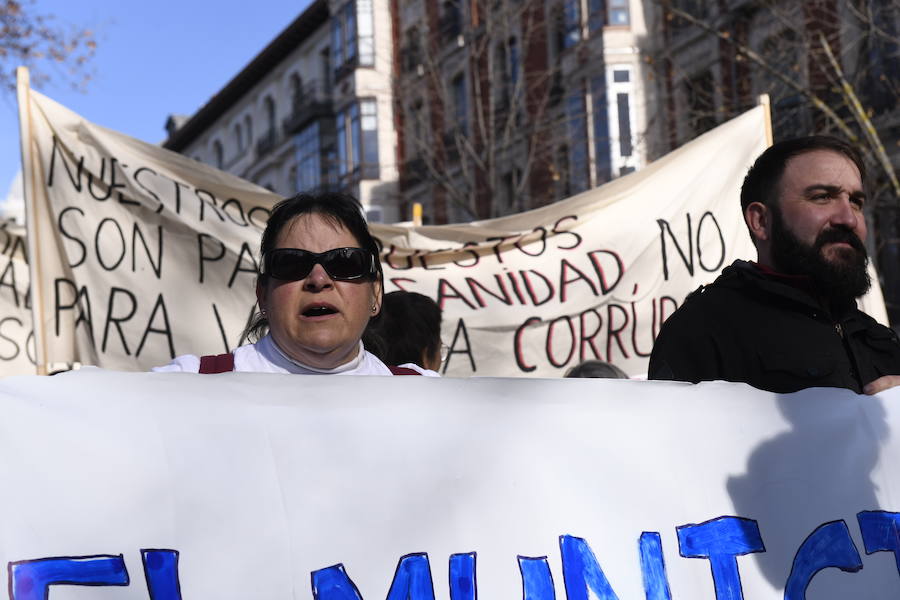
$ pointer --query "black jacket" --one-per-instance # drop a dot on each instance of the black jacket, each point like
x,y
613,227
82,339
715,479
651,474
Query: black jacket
x,y
747,326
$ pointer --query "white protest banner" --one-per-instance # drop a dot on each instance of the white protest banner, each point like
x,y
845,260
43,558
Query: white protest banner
x,y
16,337
138,253
142,254
269,486
590,277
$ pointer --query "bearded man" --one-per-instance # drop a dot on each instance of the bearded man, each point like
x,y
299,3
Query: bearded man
x,y
790,320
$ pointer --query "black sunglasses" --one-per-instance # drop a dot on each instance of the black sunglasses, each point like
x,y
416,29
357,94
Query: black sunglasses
x,y
345,264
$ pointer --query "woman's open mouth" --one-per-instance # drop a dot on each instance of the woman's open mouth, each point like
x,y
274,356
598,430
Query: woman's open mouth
x,y
319,310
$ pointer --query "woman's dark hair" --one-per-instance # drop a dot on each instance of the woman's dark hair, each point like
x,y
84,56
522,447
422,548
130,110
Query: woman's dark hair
x,y
341,210
409,328
597,368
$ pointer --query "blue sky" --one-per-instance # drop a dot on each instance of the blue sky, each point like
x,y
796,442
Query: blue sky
x,y
152,59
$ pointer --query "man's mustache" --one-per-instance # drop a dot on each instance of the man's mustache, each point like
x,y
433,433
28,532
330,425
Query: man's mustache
x,y
839,234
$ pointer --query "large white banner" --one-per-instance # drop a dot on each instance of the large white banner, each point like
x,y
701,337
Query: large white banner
x,y
268,486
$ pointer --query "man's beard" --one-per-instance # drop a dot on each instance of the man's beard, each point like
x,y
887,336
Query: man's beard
x,y
839,280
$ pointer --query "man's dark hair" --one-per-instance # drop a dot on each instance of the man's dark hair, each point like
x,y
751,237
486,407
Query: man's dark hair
x,y
408,329
596,369
764,177
341,210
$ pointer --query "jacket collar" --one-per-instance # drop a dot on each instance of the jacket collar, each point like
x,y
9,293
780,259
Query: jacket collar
x,y
792,288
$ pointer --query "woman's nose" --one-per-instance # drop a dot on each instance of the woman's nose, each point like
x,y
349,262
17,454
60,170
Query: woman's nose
x,y
318,279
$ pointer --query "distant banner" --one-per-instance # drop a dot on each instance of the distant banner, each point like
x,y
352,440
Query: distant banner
x,y
284,486
592,277
16,335
141,254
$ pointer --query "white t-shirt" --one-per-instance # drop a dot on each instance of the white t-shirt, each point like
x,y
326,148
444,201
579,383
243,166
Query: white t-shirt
x,y
266,357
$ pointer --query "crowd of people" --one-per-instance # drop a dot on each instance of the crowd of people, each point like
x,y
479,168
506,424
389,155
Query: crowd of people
x,y
783,323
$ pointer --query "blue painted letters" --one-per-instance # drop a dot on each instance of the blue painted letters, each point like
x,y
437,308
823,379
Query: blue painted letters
x,y
828,546
31,579
721,540
462,577
537,581
161,573
581,571
653,567
881,532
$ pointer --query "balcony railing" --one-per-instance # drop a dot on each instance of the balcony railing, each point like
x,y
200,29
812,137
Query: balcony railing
x,y
309,104
450,25
266,142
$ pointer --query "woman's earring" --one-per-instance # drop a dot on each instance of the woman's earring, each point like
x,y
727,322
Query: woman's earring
x,y
262,311
374,308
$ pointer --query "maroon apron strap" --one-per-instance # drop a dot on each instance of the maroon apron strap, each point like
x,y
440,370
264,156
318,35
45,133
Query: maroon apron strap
x,y
217,363
403,371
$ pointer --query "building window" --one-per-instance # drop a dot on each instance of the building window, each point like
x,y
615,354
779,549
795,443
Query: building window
x,y
270,115
596,15
325,59
622,105
579,178
348,14
365,25
619,12
501,66
509,185
571,16
411,52
337,40
309,163
218,155
696,8
602,157
417,118
248,126
460,103
620,90
292,180
353,36
369,127
239,137
296,89
450,22
375,214
357,141
881,78
514,60
507,65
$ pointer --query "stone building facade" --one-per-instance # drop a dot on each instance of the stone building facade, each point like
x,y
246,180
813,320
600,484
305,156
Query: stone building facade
x,y
509,105
711,60
340,100
312,111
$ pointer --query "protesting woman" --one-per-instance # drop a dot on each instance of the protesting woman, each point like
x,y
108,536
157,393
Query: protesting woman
x,y
320,282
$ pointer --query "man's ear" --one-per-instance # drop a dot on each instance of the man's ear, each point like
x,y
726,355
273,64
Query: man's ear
x,y
758,217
